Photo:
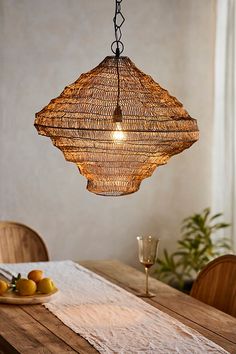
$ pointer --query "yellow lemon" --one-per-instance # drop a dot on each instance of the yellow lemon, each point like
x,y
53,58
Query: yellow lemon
x,y
46,286
35,275
3,286
26,287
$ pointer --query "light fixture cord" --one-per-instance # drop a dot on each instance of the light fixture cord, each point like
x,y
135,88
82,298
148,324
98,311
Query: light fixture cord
x,y
117,115
118,21
118,81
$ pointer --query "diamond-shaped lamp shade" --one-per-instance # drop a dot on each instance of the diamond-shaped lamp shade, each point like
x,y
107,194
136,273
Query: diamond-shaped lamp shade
x,y
116,155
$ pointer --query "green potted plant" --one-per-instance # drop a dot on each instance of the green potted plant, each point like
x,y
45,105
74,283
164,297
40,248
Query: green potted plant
x,y
198,245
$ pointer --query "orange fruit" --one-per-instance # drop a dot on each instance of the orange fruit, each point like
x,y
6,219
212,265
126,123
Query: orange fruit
x,y
35,275
26,287
3,286
46,286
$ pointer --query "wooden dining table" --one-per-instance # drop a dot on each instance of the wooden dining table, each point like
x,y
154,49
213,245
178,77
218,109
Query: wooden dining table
x,y
33,329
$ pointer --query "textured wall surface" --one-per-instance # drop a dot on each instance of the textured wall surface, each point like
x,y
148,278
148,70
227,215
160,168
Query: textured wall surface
x,y
46,45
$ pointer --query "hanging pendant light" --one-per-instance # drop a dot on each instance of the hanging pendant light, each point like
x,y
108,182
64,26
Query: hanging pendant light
x,y
116,123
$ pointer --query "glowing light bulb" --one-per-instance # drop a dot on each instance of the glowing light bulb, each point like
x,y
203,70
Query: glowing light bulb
x,y
118,134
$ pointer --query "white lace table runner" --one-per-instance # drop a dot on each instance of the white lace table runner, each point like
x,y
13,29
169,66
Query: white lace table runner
x,y
110,318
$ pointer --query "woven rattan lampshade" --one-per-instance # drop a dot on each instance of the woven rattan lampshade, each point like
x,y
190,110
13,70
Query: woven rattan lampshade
x,y
116,156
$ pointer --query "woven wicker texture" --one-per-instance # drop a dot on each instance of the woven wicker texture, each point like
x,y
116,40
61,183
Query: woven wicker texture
x,y
80,122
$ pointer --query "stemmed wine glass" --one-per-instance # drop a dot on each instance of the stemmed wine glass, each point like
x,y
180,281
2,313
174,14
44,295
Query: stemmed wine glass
x,y
147,251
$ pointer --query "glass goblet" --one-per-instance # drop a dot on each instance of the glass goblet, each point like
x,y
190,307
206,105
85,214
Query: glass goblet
x,y
147,251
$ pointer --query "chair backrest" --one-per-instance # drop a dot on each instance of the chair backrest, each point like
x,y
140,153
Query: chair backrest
x,y
216,284
19,243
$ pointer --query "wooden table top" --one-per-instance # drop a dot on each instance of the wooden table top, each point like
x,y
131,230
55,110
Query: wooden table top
x,y
33,329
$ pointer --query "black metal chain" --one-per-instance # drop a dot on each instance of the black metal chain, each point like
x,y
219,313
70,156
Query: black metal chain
x,y
118,22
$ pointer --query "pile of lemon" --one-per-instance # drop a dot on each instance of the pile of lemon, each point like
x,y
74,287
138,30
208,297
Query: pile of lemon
x,y
34,283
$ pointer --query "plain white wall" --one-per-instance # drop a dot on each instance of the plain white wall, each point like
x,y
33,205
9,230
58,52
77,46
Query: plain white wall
x,y
46,45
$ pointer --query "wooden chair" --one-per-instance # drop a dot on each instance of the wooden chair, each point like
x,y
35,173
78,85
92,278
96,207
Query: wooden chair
x,y
216,284
19,243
